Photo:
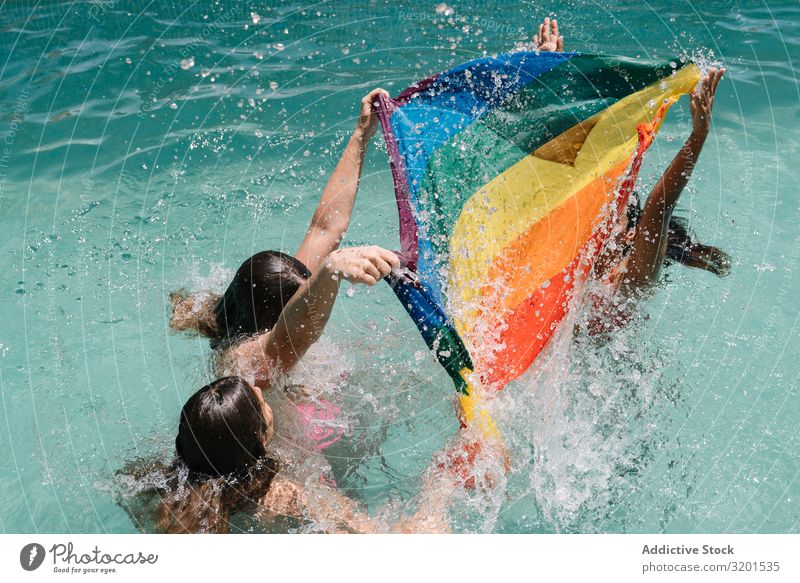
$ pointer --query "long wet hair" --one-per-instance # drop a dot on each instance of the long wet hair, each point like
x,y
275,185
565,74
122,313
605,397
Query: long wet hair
x,y
682,244
261,288
221,465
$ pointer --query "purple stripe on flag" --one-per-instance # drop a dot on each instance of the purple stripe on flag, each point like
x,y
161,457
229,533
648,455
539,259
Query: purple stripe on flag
x,y
411,91
408,227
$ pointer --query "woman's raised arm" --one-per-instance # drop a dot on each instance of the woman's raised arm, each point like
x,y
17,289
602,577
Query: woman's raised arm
x,y
332,217
647,254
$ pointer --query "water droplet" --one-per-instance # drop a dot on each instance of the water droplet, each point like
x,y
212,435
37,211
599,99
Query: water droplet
x,y
444,9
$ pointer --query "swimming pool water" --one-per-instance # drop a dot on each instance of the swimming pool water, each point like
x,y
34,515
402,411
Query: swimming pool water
x,y
148,148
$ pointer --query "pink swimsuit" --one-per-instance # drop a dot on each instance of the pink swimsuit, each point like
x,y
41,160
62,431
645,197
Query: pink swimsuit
x,y
320,423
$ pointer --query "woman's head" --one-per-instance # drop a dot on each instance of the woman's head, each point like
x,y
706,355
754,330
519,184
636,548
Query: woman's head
x,y
683,248
681,245
222,465
224,427
261,288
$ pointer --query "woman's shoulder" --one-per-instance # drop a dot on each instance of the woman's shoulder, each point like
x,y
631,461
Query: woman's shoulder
x,y
246,359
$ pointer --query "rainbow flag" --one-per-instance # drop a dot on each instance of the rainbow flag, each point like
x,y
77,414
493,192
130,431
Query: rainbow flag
x,y
506,171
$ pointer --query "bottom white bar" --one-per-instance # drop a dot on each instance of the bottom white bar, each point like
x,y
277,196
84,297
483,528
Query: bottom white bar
x,y
389,558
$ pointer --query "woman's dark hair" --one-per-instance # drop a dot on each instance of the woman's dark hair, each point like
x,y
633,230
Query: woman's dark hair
x,y
683,247
261,288
682,244
222,428
221,466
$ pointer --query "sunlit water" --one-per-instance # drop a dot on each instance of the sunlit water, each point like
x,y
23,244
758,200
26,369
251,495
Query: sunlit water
x,y
148,149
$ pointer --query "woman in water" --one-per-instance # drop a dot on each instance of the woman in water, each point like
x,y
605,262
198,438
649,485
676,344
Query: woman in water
x,y
223,467
277,305
648,237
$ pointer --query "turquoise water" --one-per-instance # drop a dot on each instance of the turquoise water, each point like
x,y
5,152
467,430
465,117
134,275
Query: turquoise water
x,y
147,149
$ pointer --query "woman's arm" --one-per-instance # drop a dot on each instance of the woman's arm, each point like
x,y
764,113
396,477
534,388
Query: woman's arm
x,y
333,511
437,493
332,217
647,254
304,318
